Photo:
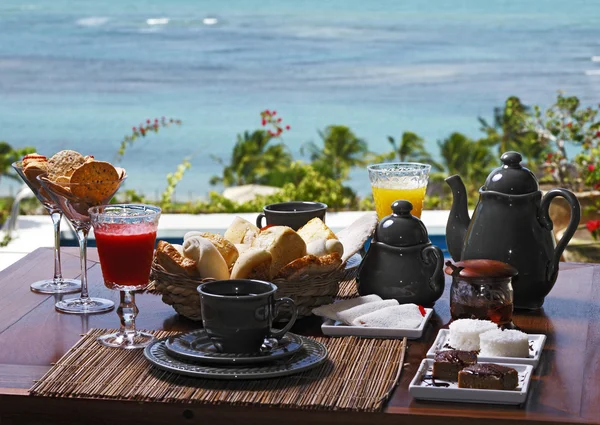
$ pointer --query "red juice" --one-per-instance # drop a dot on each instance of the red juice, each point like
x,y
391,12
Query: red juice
x,y
126,252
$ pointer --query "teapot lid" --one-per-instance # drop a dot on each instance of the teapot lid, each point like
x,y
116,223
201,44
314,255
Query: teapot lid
x,y
480,269
401,228
511,178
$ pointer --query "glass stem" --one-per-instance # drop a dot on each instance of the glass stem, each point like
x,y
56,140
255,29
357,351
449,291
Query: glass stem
x,y
82,235
127,312
56,218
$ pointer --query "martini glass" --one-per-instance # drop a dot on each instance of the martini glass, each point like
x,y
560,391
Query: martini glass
x,y
125,236
58,284
74,200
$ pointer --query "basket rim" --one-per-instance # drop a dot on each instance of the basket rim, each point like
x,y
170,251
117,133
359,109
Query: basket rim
x,y
160,270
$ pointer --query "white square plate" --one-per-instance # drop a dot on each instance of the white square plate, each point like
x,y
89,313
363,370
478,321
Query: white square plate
x,y
423,389
332,328
536,345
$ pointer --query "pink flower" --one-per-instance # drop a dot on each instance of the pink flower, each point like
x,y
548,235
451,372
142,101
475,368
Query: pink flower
x,y
591,167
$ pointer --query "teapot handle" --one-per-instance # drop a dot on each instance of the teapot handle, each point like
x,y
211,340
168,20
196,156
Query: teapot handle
x,y
426,254
546,222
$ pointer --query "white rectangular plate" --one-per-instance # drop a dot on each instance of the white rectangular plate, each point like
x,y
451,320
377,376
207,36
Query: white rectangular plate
x,y
332,328
424,390
536,345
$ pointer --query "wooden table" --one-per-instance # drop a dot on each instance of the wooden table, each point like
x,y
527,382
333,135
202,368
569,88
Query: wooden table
x,y
565,388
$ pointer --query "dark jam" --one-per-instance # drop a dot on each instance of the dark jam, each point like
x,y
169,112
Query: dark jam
x,y
499,313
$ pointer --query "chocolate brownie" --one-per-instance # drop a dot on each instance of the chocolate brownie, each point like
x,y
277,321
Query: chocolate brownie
x,y
448,363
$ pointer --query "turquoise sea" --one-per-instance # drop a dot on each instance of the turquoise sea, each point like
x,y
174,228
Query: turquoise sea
x,y
80,74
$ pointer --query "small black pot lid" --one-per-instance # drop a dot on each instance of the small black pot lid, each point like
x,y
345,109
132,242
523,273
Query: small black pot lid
x,y
512,178
401,228
480,268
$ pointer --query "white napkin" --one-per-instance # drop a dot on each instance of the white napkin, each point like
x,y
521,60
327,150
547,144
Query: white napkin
x,y
330,310
351,314
405,316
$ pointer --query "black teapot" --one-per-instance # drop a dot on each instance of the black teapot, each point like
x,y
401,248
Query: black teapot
x,y
511,223
401,262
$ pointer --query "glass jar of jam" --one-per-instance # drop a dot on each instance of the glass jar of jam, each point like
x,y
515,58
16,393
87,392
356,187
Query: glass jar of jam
x,y
482,289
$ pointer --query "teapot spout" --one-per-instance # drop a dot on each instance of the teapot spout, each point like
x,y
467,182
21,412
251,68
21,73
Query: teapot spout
x,y
458,220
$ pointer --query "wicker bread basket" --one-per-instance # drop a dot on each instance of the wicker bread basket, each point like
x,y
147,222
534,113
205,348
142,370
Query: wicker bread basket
x,y
308,291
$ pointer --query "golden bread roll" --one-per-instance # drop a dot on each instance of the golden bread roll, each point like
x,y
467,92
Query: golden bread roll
x,y
284,245
227,249
209,261
253,263
241,231
315,229
174,262
310,265
178,247
322,247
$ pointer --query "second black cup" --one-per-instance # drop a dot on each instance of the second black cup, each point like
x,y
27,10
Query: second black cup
x,y
238,314
292,214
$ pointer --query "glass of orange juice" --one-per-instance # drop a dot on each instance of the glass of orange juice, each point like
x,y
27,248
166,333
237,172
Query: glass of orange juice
x,y
398,181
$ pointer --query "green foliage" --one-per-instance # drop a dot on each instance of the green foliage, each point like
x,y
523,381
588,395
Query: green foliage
x,y
141,131
311,186
8,155
315,186
510,132
254,160
471,159
172,180
367,203
566,123
412,149
129,196
341,151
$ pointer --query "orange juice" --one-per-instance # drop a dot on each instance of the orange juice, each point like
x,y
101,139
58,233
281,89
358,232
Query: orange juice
x,y
384,198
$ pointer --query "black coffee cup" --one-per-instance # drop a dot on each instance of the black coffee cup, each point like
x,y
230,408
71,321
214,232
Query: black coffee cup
x,y
292,214
238,314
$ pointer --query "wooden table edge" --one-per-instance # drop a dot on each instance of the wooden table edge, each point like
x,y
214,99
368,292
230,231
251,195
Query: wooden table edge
x,y
34,410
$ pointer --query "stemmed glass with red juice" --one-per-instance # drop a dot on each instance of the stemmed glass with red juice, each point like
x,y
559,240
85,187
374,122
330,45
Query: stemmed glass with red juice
x,y
126,253
125,236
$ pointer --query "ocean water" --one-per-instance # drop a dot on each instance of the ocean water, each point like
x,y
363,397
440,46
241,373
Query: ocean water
x,y
80,74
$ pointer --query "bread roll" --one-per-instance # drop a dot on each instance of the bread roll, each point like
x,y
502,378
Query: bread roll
x,y
310,265
322,247
209,261
241,231
315,229
253,263
242,247
174,262
178,247
227,249
284,245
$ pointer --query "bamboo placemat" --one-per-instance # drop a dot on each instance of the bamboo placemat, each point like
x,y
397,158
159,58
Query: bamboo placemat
x,y
359,375
348,288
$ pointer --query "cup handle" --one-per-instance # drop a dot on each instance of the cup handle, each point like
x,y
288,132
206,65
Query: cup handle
x,y
278,303
259,220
